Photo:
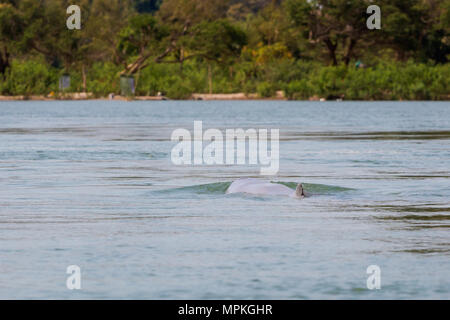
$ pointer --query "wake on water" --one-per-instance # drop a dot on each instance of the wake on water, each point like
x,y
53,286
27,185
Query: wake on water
x,y
220,188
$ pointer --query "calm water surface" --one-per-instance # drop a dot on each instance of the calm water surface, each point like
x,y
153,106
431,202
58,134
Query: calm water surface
x,y
91,184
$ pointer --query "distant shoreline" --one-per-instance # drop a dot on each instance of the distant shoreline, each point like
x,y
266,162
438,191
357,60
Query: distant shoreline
x,y
90,96
195,97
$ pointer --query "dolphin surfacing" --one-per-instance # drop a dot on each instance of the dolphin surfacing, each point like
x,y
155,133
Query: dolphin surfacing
x,y
261,187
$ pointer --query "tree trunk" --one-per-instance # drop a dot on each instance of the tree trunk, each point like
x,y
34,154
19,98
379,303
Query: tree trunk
x,y
348,53
83,73
400,54
135,66
210,78
4,60
137,80
331,50
181,61
141,62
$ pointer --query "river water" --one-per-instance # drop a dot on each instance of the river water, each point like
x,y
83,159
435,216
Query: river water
x,y
92,184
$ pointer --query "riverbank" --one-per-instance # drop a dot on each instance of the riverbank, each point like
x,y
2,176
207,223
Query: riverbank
x,y
75,97
301,81
280,96
90,96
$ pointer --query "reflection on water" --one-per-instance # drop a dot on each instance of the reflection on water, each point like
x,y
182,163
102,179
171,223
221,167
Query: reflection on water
x,y
417,217
91,183
376,135
429,251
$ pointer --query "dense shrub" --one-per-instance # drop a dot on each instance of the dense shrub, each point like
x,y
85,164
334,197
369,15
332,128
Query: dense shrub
x,y
300,80
103,79
29,77
298,90
266,89
392,81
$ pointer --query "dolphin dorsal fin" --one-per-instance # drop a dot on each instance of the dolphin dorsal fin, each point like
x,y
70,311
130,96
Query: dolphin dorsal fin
x,y
299,192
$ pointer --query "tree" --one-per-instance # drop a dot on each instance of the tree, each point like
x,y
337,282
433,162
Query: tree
x,y
141,39
202,43
416,28
147,6
241,9
10,30
105,21
332,23
181,16
164,36
187,13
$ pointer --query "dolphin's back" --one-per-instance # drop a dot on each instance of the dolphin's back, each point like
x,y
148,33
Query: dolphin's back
x,y
260,187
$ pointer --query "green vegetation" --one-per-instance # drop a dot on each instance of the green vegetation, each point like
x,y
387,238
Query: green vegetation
x,y
179,47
